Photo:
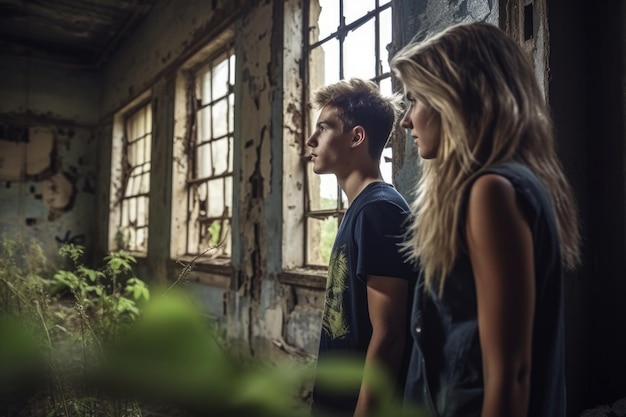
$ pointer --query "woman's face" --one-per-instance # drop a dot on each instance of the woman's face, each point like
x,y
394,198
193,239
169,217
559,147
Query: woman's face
x,y
425,126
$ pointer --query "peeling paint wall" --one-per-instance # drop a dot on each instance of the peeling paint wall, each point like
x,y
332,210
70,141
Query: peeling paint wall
x,y
256,141
52,203
47,163
154,62
260,210
173,31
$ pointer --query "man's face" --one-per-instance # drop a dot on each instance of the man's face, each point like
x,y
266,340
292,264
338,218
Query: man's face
x,y
330,145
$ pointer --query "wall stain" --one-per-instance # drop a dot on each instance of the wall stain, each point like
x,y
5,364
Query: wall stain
x,y
68,239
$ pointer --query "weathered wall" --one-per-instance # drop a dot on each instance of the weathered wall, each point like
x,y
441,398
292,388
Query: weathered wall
x,y
48,91
173,31
48,169
52,204
247,298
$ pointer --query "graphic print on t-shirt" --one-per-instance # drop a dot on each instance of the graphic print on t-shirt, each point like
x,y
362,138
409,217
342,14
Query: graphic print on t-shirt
x,y
334,322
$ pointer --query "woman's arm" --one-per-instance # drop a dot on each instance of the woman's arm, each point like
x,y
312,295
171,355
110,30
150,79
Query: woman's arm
x,y
501,252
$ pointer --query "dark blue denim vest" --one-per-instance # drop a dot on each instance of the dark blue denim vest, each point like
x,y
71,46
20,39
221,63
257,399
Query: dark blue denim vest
x,y
445,372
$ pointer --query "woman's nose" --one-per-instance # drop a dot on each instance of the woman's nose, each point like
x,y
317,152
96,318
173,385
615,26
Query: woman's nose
x,y
406,121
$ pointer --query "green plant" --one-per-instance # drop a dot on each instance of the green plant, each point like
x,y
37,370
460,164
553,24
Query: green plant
x,y
107,297
121,239
66,333
98,342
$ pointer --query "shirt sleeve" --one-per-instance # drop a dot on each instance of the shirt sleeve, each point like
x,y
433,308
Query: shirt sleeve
x,y
379,231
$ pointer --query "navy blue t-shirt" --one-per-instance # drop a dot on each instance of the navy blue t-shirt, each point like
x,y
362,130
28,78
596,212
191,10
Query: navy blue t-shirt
x,y
367,243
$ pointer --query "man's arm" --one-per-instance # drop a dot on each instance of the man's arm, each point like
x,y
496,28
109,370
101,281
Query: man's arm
x,y
387,302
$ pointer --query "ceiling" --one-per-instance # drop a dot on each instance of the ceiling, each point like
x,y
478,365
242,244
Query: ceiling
x,y
73,33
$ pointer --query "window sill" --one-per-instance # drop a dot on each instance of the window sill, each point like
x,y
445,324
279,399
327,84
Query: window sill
x,y
310,277
211,272
217,272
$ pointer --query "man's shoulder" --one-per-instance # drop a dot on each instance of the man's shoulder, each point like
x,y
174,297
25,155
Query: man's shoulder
x,y
386,198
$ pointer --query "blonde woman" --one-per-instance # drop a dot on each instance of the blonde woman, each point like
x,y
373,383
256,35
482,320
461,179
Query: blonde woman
x,y
494,227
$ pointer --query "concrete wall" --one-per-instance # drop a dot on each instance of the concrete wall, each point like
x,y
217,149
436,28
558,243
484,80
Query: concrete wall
x,y
47,163
53,205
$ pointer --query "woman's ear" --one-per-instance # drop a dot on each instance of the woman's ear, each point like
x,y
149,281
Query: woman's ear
x,y
358,135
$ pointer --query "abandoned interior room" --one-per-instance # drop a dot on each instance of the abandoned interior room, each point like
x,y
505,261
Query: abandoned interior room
x,y
175,130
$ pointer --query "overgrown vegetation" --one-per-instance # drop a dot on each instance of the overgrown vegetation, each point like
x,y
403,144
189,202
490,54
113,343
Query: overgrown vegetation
x,y
79,341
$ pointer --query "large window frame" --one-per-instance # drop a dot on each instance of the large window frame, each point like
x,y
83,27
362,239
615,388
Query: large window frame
x,y
130,177
194,183
209,185
324,209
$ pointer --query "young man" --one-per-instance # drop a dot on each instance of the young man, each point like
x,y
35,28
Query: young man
x,y
369,286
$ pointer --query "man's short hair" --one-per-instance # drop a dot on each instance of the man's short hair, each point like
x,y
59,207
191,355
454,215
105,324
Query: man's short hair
x,y
359,102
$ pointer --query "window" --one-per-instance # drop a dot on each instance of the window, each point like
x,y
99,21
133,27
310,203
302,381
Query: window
x,y
210,182
344,39
131,179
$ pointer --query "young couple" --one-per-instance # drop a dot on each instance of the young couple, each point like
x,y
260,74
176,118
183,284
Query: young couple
x,y
458,298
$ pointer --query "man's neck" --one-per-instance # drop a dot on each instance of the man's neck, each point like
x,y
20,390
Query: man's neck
x,y
356,182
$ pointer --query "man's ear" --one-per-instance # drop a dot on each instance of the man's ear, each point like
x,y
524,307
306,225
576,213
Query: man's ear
x,y
358,136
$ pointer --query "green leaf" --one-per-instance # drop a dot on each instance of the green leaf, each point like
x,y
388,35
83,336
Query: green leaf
x,y
137,288
68,278
92,274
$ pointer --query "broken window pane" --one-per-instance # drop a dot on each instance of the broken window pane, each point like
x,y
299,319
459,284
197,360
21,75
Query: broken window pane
x,y
221,150
220,80
220,118
216,197
210,188
205,167
132,228
204,124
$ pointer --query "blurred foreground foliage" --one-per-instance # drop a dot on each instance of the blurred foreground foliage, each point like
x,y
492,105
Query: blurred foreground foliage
x,y
76,341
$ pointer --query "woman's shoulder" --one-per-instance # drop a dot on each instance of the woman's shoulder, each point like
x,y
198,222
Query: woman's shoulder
x,y
502,184
491,192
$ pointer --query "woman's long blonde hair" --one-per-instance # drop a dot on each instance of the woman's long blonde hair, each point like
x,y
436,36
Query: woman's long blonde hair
x,y
482,85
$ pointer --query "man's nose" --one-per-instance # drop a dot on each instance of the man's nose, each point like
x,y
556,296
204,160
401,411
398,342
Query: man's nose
x,y
311,141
